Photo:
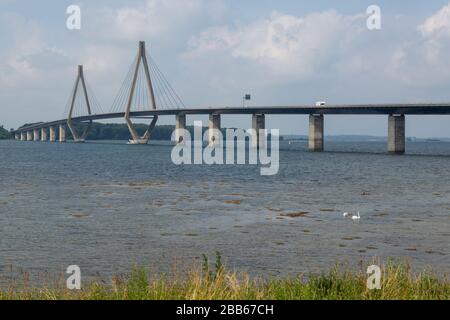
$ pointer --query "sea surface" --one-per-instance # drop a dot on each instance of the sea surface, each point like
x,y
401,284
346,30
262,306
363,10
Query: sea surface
x,y
108,206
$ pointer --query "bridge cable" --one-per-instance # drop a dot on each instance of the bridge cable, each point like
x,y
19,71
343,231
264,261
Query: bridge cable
x,y
159,92
165,81
172,102
69,101
139,90
96,107
119,102
160,97
166,88
162,89
166,92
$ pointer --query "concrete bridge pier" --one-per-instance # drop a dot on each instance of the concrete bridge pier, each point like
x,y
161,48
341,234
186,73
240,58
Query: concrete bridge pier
x,y
17,136
36,135
316,132
135,137
396,134
259,124
52,134
43,134
214,127
62,133
23,136
180,126
29,136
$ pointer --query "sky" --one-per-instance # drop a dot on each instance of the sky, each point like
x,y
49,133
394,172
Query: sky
x,y
288,52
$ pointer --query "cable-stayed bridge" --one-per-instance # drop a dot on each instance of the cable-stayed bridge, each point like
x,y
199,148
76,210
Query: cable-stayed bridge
x,y
146,94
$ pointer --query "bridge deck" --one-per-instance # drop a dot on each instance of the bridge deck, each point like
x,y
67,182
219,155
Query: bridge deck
x,y
369,109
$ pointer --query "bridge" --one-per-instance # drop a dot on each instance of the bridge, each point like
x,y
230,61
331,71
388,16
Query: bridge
x,y
146,94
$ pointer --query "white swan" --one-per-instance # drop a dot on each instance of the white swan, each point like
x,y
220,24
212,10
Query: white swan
x,y
356,217
345,214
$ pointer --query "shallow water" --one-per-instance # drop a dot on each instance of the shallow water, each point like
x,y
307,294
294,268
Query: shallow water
x,y
107,207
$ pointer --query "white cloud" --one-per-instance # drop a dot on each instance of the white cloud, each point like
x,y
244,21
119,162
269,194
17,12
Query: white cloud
x,y
285,44
437,24
155,18
423,61
27,57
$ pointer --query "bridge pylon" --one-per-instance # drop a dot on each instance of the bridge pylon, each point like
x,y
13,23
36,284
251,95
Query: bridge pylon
x,y
141,60
76,136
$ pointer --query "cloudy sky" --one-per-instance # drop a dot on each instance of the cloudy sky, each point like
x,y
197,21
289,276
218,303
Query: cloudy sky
x,y
213,51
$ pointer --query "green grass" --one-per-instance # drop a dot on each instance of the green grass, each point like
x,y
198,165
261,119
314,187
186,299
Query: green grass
x,y
204,283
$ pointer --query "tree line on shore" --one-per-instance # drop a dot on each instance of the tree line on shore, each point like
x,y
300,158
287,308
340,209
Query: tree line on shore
x,y
4,134
110,131
116,131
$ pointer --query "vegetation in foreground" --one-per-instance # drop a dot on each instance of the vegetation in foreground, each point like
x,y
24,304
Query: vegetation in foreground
x,y
397,282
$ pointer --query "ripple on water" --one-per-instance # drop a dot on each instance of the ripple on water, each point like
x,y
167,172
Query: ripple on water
x,y
135,207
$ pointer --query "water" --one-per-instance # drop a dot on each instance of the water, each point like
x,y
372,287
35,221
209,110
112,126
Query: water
x,y
108,207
